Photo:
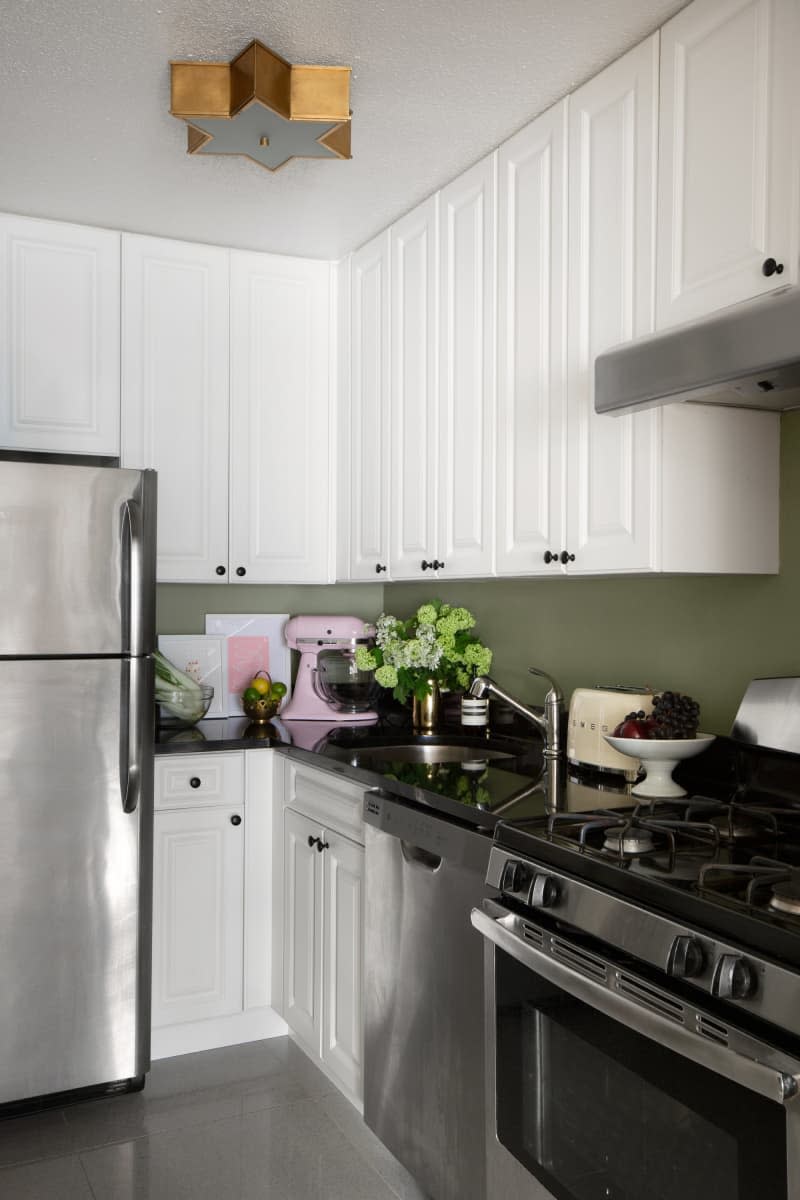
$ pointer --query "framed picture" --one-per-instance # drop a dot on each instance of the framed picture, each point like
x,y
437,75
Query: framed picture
x,y
254,642
202,658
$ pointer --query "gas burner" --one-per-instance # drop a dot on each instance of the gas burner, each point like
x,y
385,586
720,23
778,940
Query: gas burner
x,y
785,898
629,839
735,821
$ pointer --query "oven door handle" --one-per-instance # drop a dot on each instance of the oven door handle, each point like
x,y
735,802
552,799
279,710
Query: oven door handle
x,y
773,1084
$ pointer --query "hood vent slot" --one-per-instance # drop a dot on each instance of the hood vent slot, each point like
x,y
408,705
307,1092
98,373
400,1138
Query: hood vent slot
x,y
579,960
713,1030
650,997
532,935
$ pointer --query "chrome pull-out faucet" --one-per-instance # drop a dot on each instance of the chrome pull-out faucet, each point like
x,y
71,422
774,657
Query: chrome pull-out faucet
x,y
549,722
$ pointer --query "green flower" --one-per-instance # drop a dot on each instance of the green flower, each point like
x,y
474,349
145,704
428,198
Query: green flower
x,y
447,641
386,676
426,614
365,660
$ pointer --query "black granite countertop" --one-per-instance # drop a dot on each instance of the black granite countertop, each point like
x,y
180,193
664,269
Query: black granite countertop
x,y
503,775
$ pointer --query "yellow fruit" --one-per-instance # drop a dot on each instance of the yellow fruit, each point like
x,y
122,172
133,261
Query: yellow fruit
x,y
262,684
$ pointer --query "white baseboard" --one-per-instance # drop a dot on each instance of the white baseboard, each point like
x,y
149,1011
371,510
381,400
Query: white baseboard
x,y
250,1026
356,1101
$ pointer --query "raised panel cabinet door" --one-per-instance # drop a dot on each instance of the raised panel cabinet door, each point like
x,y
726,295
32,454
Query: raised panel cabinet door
x,y
302,928
59,337
198,914
611,461
466,505
175,386
281,493
531,346
413,440
368,481
728,155
343,965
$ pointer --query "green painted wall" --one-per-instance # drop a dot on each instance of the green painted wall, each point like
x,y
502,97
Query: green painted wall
x,y
703,635
181,608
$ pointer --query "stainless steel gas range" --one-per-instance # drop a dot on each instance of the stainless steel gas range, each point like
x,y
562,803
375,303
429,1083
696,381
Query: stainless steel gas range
x,y
643,997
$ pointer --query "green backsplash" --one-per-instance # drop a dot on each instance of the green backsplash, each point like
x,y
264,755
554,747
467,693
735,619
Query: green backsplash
x,y
704,635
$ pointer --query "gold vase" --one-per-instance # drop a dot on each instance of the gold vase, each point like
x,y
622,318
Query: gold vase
x,y
425,712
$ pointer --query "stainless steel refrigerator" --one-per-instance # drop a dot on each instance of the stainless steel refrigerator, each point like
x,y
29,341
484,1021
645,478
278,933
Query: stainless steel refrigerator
x,y
77,630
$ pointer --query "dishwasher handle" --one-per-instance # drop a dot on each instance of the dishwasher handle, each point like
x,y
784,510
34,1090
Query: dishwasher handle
x,y
427,838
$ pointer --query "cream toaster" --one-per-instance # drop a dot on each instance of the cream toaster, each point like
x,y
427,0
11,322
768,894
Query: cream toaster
x,y
598,710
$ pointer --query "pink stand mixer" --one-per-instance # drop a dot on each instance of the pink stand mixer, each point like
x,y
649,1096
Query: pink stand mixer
x,y
329,685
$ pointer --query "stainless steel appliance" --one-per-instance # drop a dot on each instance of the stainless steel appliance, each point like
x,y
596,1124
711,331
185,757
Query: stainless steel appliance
x,y
423,995
746,356
77,585
643,975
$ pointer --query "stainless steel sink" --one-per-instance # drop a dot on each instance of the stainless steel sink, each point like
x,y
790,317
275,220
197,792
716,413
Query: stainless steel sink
x,y
415,752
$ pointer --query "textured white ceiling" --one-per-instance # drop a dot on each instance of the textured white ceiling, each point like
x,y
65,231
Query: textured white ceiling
x,y
86,133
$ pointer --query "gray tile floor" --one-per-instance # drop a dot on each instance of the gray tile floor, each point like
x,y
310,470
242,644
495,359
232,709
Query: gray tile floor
x,y
245,1123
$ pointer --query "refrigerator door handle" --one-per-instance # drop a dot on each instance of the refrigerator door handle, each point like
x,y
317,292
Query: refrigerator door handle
x,y
131,726
132,578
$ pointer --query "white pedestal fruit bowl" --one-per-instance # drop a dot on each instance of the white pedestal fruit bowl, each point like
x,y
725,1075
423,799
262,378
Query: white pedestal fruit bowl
x,y
659,758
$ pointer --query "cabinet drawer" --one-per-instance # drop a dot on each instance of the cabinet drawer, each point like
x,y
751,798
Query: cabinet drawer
x,y
199,780
335,803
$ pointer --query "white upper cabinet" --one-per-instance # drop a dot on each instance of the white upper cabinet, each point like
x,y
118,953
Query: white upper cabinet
x,y
281,494
531,346
175,396
728,155
368,479
465,500
59,337
414,385
612,177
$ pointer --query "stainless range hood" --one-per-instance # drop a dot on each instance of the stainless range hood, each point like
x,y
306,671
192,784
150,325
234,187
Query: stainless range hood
x,y
747,356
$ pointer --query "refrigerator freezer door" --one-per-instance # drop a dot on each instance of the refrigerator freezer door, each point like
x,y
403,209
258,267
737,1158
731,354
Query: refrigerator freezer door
x,y
77,560
75,873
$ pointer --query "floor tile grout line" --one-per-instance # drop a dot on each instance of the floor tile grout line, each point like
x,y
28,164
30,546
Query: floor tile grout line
x,y
86,1177
361,1153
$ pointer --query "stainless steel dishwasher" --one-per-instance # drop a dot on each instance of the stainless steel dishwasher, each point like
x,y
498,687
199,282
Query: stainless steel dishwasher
x,y
423,995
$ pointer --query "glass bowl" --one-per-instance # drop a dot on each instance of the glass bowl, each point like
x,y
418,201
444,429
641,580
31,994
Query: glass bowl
x,y
659,757
176,710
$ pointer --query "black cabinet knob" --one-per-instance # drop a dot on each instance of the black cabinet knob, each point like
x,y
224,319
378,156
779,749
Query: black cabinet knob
x,y
220,570
437,564
550,557
771,267
322,845
194,782
379,568
236,819
314,841
565,557
240,571
425,565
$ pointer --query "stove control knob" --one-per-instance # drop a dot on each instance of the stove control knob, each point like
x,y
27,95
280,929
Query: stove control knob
x,y
686,958
516,876
734,978
544,891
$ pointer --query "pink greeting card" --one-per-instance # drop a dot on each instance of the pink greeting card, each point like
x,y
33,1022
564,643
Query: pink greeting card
x,y
246,656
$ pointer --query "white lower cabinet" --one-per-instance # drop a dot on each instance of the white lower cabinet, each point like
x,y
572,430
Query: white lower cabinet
x,y
198,894
322,924
211,901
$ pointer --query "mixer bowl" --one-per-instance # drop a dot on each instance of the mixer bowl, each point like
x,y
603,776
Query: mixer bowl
x,y
341,684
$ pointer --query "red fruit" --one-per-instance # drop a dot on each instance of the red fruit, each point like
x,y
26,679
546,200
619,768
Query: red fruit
x,y
633,729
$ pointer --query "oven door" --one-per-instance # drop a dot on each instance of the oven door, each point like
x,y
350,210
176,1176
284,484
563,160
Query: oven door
x,y
605,1085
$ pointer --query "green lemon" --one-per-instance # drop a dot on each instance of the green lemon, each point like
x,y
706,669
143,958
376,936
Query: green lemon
x,y
250,694
279,690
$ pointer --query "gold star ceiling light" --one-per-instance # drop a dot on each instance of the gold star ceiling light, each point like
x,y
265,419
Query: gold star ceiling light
x,y
263,107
